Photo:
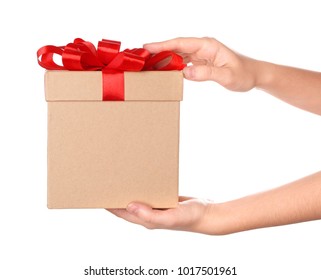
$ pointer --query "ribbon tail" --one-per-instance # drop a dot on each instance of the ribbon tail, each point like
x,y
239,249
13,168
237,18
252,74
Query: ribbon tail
x,y
113,85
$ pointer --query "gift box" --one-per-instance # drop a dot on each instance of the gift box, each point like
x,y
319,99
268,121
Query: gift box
x,y
106,154
113,125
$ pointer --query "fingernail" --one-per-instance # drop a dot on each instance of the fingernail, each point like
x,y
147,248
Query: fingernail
x,y
147,46
132,208
187,71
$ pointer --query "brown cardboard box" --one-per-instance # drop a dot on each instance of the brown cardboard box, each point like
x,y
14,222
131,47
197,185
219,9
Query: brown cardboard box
x,y
105,154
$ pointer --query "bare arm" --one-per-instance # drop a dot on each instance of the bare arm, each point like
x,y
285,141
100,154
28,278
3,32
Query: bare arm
x,y
295,202
298,87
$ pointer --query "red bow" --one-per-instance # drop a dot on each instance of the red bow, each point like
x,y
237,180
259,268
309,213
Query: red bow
x,y
83,56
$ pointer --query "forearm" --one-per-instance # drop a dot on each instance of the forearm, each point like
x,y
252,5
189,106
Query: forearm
x,y
295,202
298,87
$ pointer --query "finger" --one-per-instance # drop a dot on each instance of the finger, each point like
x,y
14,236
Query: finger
x,y
205,73
125,215
120,213
198,72
151,217
183,45
184,198
186,57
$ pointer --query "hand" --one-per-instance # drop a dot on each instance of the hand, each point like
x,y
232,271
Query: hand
x,y
211,60
190,215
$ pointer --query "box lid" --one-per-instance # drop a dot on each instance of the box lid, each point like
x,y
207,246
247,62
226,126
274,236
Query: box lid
x,y
87,86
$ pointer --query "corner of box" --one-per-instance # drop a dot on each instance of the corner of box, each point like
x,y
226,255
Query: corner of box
x,y
47,83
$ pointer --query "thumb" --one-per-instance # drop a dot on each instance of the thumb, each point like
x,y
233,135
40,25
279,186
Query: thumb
x,y
140,210
198,72
204,73
148,215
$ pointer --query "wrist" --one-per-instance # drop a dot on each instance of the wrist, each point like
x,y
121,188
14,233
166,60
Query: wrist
x,y
231,217
264,74
217,219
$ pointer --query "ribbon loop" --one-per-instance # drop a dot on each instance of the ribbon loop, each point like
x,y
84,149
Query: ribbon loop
x,y
83,56
166,60
127,61
45,57
107,50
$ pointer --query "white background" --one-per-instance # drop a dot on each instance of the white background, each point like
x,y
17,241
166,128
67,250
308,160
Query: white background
x,y
232,144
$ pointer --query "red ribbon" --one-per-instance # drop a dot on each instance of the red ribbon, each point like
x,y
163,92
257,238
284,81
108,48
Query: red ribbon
x,y
83,56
